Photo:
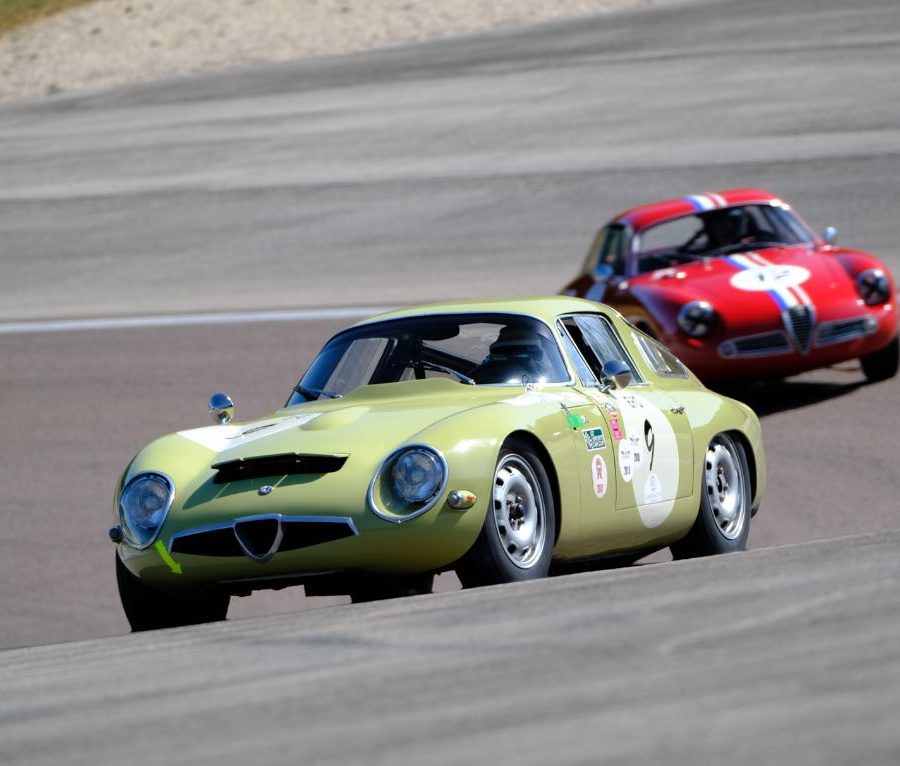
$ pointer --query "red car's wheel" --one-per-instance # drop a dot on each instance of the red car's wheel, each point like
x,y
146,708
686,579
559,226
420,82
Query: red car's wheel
x,y
882,364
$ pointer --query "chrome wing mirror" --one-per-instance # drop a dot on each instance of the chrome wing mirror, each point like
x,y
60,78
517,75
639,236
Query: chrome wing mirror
x,y
221,408
830,236
616,374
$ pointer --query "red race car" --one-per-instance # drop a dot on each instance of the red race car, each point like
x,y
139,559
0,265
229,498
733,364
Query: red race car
x,y
740,288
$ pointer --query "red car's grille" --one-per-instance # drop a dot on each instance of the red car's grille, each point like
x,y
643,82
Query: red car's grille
x,y
800,322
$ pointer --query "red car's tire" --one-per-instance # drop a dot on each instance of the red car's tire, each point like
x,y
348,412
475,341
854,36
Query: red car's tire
x,y
882,364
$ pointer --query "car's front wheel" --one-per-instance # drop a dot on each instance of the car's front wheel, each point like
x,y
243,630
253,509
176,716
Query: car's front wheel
x,y
516,540
882,364
147,609
723,521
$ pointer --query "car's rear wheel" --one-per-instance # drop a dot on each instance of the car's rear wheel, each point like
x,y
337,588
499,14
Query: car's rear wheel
x,y
516,540
882,364
723,522
147,609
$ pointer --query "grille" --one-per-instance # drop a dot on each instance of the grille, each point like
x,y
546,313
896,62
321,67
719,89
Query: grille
x,y
276,465
755,345
259,534
845,329
799,321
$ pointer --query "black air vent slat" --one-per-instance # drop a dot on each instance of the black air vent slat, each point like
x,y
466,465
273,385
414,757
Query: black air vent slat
x,y
304,534
289,463
214,542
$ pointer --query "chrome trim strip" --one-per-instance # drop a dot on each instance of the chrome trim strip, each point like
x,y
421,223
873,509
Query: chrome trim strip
x,y
428,505
346,520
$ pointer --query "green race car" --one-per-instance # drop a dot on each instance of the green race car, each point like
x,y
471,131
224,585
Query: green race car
x,y
501,439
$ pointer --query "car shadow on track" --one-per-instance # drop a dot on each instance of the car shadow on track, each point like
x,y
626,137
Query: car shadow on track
x,y
774,396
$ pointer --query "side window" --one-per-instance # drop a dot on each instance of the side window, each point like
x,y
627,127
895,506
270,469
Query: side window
x,y
584,372
597,342
663,362
612,250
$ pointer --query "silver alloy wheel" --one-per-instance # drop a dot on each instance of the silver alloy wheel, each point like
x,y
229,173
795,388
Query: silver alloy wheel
x,y
519,511
725,487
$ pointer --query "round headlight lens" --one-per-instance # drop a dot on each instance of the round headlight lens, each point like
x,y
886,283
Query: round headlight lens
x,y
416,476
143,507
872,286
696,318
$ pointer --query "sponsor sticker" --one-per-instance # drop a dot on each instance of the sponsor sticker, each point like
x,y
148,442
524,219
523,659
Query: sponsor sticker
x,y
600,476
594,438
626,462
653,489
615,428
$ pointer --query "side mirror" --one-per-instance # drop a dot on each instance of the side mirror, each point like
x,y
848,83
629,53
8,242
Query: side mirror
x,y
221,408
830,236
616,374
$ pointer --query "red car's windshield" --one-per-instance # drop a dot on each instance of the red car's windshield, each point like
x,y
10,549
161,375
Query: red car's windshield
x,y
717,232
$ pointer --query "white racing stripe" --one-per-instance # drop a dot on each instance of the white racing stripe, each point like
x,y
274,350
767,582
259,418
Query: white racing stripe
x,y
183,320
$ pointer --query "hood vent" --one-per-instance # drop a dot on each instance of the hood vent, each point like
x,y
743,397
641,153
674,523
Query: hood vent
x,y
290,463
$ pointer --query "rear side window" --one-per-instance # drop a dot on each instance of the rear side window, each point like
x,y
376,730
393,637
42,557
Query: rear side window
x,y
663,362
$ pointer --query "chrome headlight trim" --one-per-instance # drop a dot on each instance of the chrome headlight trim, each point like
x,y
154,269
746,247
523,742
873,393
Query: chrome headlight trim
x,y
382,478
696,318
126,514
873,287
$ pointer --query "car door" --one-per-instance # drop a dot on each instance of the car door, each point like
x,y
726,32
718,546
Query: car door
x,y
651,455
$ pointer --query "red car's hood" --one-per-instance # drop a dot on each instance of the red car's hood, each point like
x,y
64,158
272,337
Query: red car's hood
x,y
756,286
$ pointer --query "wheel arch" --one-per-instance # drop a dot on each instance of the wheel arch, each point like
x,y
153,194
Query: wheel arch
x,y
741,438
532,441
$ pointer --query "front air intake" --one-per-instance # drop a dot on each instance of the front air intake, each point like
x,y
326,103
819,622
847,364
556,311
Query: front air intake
x,y
289,463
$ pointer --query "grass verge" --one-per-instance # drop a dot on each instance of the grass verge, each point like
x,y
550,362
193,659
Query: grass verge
x,y
16,13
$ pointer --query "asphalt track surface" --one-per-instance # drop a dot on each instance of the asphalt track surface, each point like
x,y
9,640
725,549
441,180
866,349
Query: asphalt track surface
x,y
472,167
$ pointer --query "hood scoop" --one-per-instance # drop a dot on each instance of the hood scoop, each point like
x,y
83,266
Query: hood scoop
x,y
289,463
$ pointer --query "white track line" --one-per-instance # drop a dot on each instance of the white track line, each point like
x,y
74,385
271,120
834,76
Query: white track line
x,y
182,320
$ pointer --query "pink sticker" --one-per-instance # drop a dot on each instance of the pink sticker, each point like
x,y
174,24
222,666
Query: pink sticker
x,y
614,427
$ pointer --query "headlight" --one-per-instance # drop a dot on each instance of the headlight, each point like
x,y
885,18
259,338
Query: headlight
x,y
143,506
416,476
408,483
873,287
696,318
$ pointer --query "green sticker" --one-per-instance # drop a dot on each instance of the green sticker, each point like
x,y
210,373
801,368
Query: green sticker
x,y
594,438
167,557
574,420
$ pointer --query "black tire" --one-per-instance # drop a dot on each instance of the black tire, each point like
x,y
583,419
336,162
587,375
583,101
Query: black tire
x,y
882,364
516,540
723,521
148,609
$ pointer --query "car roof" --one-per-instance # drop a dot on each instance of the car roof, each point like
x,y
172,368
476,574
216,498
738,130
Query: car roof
x,y
642,216
547,308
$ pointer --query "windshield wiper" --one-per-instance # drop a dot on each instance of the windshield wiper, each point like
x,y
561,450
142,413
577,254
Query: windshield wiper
x,y
315,393
448,370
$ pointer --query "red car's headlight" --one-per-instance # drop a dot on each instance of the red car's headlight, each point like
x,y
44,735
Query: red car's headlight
x,y
873,287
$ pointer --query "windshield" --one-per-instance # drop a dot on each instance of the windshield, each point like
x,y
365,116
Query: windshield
x,y
472,349
718,232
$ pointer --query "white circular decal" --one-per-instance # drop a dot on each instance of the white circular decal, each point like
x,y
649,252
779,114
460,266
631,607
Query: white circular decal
x,y
771,277
648,457
600,476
